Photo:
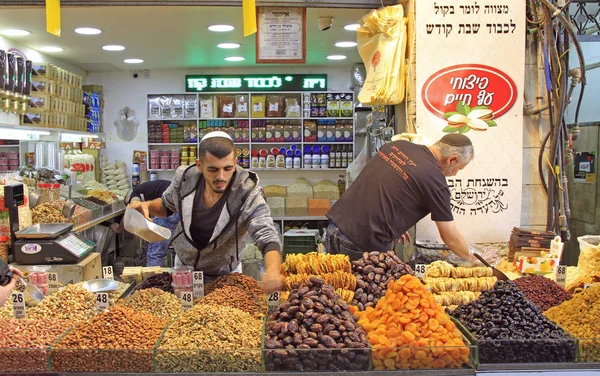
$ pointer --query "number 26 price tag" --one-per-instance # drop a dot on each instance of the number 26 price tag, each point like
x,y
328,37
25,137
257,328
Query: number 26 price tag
x,y
18,301
420,270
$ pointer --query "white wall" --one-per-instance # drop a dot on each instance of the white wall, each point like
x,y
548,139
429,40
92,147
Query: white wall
x,y
121,90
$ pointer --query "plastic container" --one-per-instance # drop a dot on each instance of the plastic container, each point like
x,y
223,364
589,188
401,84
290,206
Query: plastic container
x,y
55,192
182,279
4,249
38,276
44,192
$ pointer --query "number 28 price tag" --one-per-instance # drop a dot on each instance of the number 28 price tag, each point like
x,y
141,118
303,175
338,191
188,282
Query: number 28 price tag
x,y
273,302
187,300
18,301
198,285
420,270
102,301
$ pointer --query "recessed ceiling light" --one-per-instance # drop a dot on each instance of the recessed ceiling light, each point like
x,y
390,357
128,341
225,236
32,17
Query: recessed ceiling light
x,y
220,28
113,47
345,44
133,61
88,31
51,49
352,27
228,46
14,32
336,57
235,58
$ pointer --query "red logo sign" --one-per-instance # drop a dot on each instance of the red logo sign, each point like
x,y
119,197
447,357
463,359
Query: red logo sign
x,y
472,85
375,60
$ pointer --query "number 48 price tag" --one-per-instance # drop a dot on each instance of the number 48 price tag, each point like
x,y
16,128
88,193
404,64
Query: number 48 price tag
x,y
273,302
18,300
187,300
101,301
420,270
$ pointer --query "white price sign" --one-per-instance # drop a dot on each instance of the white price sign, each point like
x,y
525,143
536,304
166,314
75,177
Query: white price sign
x,y
52,282
187,300
101,301
273,302
107,272
561,275
198,285
420,270
18,300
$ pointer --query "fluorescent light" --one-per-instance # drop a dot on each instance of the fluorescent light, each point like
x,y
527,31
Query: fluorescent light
x,y
336,57
133,61
88,31
352,27
220,28
235,58
113,47
228,46
345,44
14,32
51,49
76,137
22,134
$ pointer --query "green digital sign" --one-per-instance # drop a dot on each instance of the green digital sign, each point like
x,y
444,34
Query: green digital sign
x,y
256,82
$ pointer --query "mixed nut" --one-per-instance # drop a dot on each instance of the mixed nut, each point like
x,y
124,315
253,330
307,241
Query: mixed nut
x,y
234,297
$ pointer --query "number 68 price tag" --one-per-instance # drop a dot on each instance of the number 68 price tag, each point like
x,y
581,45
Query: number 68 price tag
x,y
273,302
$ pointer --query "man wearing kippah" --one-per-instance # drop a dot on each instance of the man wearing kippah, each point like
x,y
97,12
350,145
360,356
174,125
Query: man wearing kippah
x,y
218,203
398,187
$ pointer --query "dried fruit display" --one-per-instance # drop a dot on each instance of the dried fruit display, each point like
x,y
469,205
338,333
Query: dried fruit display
x,y
409,330
510,328
579,317
131,335
315,318
543,292
315,263
240,281
210,338
161,281
154,301
374,271
236,298
24,343
338,279
443,269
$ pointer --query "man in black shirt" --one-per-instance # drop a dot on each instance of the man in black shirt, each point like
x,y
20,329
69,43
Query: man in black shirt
x,y
398,187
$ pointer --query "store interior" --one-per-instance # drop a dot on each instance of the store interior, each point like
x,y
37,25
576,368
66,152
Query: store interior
x,y
124,96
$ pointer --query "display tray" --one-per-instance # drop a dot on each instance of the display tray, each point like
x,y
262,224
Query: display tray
x,y
537,367
44,231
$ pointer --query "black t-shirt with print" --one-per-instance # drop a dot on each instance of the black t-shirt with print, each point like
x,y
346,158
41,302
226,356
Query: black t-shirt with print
x,y
204,220
396,189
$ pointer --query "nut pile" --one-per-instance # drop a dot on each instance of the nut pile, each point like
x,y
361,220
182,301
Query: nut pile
x,y
510,328
70,303
23,343
195,342
240,281
6,311
315,317
154,301
373,273
48,213
86,348
579,316
236,298
409,330
543,292
160,281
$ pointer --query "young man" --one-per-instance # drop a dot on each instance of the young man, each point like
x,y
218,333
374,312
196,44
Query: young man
x,y
399,186
149,191
218,202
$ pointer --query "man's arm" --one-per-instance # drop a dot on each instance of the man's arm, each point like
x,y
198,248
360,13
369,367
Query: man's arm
x,y
154,208
454,239
271,278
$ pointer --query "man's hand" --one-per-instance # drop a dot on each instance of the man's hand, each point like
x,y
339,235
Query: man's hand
x,y
405,238
142,207
5,291
271,281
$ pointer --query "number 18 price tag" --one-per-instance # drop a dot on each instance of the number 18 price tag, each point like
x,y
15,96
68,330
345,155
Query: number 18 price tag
x,y
18,300
107,272
420,270
198,285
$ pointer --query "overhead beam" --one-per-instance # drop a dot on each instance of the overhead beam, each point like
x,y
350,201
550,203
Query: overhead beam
x,y
365,4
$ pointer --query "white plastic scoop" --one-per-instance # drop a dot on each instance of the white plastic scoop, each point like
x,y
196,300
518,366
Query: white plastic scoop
x,y
135,223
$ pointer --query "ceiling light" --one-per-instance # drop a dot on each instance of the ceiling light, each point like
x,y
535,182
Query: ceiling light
x,y
113,47
228,46
51,49
14,32
336,57
133,61
235,58
88,31
352,27
345,44
220,28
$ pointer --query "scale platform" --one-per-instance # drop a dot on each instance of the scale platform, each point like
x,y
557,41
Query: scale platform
x,y
50,243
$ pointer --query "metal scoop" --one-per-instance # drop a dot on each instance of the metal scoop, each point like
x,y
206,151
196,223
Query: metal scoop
x,y
495,272
68,209
32,290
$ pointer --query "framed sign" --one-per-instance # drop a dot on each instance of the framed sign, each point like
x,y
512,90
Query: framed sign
x,y
281,35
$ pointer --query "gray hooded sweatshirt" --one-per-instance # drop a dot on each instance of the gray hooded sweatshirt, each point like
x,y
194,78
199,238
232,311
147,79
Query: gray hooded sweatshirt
x,y
244,212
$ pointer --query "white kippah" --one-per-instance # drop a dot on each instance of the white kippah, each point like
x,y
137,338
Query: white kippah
x,y
216,134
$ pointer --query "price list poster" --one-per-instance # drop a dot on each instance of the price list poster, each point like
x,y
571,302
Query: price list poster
x,y
470,80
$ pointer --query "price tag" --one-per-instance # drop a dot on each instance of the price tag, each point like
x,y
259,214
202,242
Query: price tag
x,y
187,300
107,272
273,302
18,300
420,270
198,285
52,282
561,275
101,301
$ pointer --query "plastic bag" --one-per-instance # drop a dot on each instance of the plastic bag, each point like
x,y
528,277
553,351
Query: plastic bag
x,y
382,47
589,255
127,124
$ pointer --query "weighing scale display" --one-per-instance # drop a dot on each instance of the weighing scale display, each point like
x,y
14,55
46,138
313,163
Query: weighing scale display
x,y
75,245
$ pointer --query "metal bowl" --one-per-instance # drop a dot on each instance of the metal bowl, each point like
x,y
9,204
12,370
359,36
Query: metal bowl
x,y
101,285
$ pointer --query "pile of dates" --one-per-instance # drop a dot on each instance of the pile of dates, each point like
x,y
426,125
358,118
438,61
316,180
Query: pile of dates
x,y
315,331
373,273
511,329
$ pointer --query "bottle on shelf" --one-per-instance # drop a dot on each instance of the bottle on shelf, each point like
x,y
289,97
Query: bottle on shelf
x,y
289,159
342,185
332,156
350,155
316,157
338,157
298,158
307,157
325,156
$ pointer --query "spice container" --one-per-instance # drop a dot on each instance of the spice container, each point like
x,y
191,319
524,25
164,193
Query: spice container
x,y
4,248
55,192
44,190
38,276
182,279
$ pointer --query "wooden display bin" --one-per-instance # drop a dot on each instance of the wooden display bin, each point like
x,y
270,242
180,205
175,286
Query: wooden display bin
x,y
88,268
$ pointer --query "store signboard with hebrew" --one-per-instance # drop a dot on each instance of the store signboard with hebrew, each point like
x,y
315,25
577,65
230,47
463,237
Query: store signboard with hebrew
x,y
470,80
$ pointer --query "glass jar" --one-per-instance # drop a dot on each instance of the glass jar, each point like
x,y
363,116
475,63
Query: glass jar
x,y
38,276
44,191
